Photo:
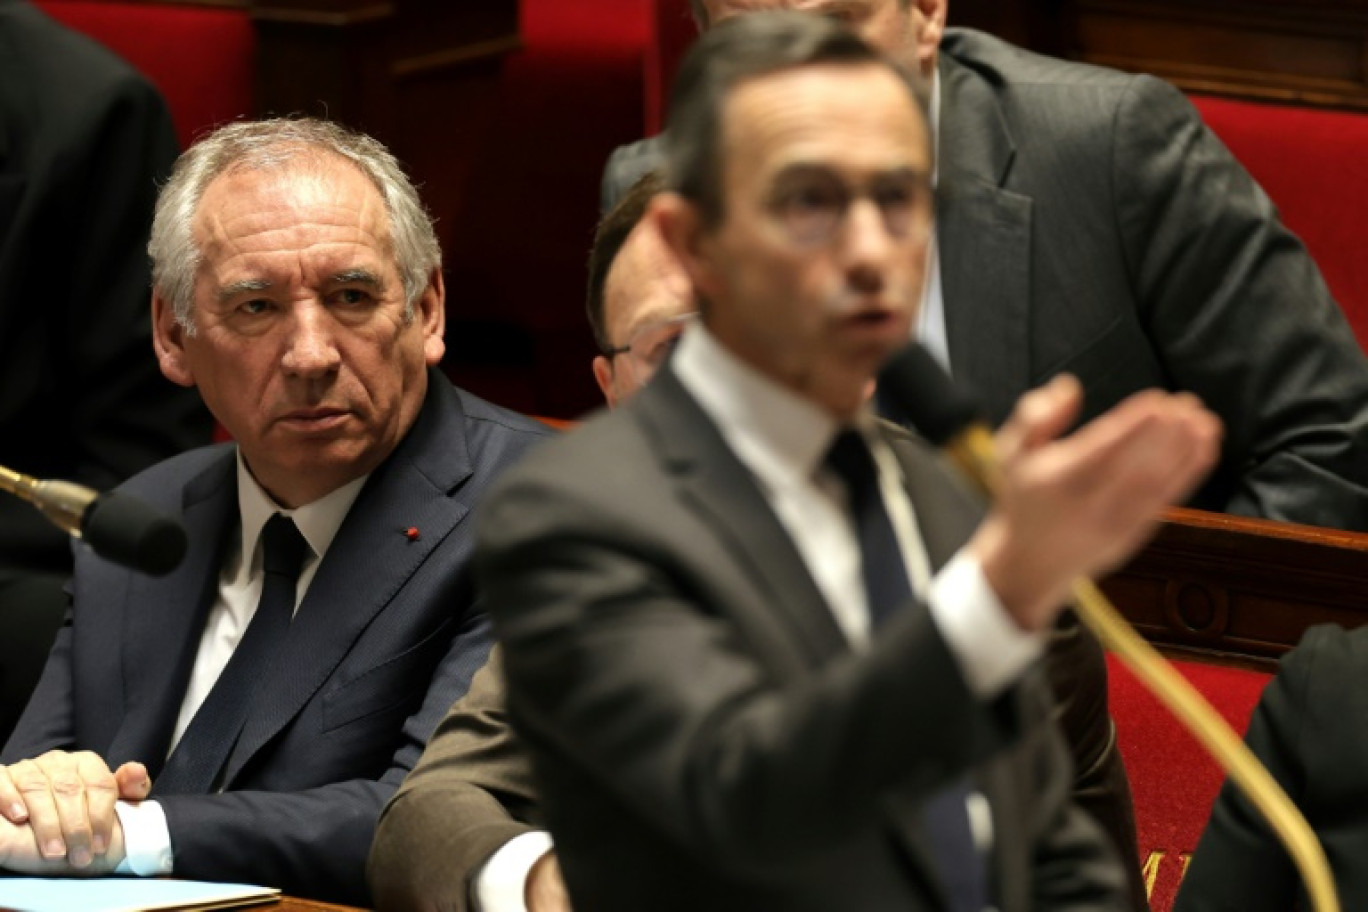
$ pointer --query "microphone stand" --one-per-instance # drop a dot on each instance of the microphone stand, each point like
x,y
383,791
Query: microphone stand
x,y
974,455
62,502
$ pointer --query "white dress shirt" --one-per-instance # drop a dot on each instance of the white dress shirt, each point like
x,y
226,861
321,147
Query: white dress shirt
x,y
783,439
147,840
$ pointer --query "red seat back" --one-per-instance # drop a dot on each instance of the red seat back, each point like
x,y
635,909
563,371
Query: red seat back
x,y
674,30
1314,164
201,59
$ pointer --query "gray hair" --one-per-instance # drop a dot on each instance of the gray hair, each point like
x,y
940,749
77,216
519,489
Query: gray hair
x,y
271,145
738,50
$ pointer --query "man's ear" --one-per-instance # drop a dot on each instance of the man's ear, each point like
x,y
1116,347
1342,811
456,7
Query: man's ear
x,y
680,223
603,374
931,29
431,311
168,341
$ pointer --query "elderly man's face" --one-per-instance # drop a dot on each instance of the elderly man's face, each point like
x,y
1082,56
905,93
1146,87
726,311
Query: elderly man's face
x,y
646,297
301,347
815,272
908,32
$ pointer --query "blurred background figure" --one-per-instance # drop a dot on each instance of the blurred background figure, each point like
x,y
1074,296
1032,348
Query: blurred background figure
x,y
84,139
639,296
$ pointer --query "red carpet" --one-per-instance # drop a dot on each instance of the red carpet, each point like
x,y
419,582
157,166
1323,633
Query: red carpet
x,y
1173,780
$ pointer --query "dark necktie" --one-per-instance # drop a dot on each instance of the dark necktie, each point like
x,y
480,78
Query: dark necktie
x,y
888,588
199,757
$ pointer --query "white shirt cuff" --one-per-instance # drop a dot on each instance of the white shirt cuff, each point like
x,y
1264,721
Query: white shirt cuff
x,y
501,885
992,649
147,839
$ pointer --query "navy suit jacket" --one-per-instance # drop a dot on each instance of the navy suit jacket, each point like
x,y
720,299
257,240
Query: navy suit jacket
x,y
386,638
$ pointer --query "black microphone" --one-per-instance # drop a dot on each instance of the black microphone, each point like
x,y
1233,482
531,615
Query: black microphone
x,y
920,390
117,527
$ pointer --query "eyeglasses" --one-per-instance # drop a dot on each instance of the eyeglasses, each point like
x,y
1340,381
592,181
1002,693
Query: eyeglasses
x,y
812,203
652,342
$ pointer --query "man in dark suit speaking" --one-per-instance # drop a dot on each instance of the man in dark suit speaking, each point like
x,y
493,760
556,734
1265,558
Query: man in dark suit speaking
x,y
761,650
277,686
1088,223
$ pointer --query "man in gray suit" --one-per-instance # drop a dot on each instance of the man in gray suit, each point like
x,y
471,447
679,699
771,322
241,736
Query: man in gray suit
x,y
755,677
1087,222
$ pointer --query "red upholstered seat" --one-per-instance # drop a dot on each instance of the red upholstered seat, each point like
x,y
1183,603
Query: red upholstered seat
x,y
199,58
674,30
1314,164
1173,780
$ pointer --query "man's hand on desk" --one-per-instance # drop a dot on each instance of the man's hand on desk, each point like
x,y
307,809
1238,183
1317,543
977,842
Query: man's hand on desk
x,y
545,888
19,854
59,811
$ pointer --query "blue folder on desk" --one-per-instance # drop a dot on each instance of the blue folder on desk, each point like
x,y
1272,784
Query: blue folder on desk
x,y
125,894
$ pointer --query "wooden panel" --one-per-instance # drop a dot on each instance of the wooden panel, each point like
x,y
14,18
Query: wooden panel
x,y
1037,25
1302,51
422,76
1307,52
1248,587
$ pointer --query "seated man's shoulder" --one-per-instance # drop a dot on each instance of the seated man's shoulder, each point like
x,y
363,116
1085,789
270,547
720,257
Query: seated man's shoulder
x,y
482,410
163,482
1010,66
1330,647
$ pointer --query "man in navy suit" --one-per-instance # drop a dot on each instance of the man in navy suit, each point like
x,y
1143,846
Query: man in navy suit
x,y
298,286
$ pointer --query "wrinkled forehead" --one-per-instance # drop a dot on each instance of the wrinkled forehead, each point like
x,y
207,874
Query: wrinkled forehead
x,y
309,188
804,115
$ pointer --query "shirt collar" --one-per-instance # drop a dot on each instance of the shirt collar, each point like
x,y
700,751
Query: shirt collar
x,y
778,434
318,522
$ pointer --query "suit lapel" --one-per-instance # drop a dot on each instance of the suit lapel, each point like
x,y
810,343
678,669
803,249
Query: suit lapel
x,y
367,564
984,235
725,496
165,618
946,512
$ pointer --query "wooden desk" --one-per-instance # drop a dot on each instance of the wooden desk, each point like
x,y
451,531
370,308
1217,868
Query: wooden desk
x,y
1227,585
290,904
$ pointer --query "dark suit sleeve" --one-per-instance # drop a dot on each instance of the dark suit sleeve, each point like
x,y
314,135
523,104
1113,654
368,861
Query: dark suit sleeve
x,y
313,842
48,721
1074,866
678,719
125,415
83,397
1240,315
449,816
1239,865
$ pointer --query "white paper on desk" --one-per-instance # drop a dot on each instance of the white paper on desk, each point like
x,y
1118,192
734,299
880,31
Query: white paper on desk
x,y
125,894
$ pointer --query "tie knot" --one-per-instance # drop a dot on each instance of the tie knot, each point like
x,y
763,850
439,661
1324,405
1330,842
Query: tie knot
x,y
850,459
282,546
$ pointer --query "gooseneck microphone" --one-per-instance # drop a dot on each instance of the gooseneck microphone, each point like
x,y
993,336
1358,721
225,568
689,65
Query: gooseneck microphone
x,y
117,527
921,391
914,384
